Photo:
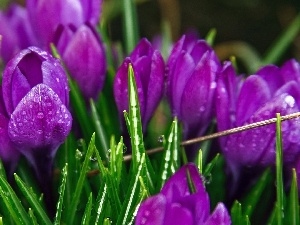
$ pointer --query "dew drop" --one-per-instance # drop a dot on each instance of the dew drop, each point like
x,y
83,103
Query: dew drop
x,y
40,131
202,108
161,138
40,115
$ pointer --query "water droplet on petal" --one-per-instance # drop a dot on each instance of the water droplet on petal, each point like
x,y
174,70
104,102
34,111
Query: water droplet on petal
x,y
40,115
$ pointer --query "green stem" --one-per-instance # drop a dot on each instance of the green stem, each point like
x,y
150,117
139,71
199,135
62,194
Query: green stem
x,y
283,41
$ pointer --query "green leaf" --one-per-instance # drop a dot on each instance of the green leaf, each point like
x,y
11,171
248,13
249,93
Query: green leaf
x,y
130,26
32,217
79,109
13,203
209,167
33,201
170,159
2,170
136,133
132,196
211,36
87,213
236,213
255,194
99,132
279,181
76,196
294,212
61,192
101,203
199,161
116,160
282,42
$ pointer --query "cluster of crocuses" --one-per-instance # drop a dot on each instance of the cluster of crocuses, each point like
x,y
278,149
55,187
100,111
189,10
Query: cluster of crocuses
x,y
70,26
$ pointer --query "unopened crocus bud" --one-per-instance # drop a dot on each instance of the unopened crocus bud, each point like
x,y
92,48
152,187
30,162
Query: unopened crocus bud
x,y
177,204
36,96
46,15
15,31
192,70
148,66
84,55
259,97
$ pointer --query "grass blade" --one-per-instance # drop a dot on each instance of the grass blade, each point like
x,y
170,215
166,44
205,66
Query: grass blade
x,y
101,203
80,183
59,206
294,201
33,201
13,203
99,132
279,181
87,213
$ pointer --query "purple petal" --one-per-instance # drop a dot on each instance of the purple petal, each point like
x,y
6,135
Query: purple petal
x,y
198,205
40,122
198,94
253,95
178,185
152,211
8,153
143,48
47,15
91,10
8,74
271,74
290,70
257,146
226,95
63,36
220,216
199,49
155,85
121,88
86,61
177,81
176,214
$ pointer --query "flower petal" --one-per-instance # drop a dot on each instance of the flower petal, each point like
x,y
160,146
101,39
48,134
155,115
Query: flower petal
x,y
85,59
254,94
178,214
40,122
152,211
198,94
219,216
271,74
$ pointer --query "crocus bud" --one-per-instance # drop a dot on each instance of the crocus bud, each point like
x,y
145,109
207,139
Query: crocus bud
x,y
15,31
83,53
46,15
35,93
192,69
148,66
259,97
175,204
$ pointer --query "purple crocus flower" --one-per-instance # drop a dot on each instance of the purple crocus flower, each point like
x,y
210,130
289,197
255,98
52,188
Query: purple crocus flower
x,y
46,15
36,96
148,66
175,204
192,69
83,53
259,97
15,30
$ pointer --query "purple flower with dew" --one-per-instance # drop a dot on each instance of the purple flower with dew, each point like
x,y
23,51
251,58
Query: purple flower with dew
x,y
36,96
15,30
45,16
177,204
84,55
259,97
148,66
192,70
